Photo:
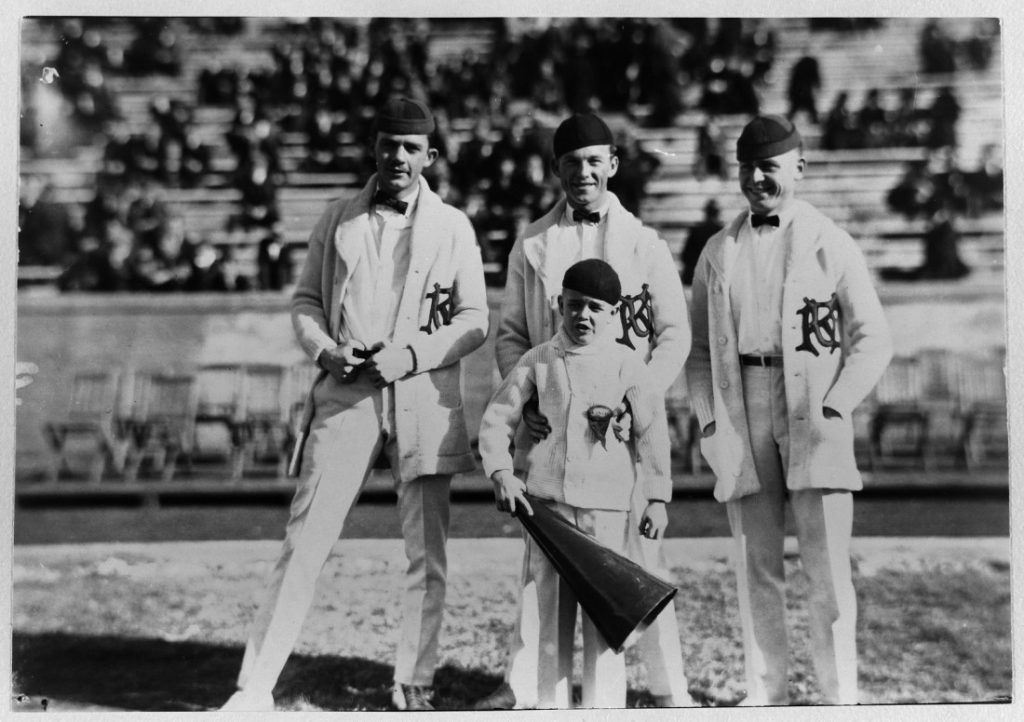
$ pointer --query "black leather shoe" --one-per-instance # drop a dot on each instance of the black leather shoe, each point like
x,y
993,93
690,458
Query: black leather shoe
x,y
501,698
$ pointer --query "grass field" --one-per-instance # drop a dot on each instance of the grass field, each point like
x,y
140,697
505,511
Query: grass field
x,y
161,626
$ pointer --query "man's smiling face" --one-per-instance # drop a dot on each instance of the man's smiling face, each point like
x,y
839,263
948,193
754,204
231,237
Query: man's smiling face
x,y
584,173
769,184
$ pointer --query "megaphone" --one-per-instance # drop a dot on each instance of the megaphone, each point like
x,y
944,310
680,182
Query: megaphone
x,y
620,597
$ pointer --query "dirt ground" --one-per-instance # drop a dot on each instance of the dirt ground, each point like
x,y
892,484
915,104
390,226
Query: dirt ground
x,y
166,622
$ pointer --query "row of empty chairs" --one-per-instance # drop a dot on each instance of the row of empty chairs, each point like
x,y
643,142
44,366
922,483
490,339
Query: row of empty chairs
x,y
935,409
133,420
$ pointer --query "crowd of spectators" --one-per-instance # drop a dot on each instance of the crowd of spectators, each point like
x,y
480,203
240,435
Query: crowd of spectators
x,y
941,52
322,79
905,125
938,191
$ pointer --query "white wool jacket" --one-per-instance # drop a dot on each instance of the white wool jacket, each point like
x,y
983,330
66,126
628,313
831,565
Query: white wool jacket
x,y
659,332
442,316
832,355
573,464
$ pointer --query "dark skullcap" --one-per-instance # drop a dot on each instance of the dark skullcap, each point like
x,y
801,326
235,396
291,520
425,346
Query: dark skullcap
x,y
579,131
405,116
767,136
595,278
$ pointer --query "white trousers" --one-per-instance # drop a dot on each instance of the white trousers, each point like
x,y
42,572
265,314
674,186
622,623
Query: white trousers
x,y
352,425
659,646
823,521
604,671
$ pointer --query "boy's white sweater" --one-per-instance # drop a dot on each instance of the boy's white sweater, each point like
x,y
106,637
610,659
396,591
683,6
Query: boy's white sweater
x,y
572,465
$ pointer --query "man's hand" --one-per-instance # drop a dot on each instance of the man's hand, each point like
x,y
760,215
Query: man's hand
x,y
343,361
622,422
388,363
536,422
508,490
708,430
654,521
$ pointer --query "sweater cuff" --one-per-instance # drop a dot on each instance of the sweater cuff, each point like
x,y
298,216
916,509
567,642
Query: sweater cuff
x,y
658,488
704,410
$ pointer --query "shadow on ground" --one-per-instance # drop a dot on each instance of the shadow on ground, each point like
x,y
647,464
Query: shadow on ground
x,y
157,675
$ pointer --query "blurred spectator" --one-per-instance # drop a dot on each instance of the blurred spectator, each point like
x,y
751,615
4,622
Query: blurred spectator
x,y
636,167
985,185
273,263
760,46
258,187
840,130
711,150
943,114
217,85
927,187
804,83
909,126
207,270
910,195
727,89
872,122
47,232
148,214
936,49
979,47
155,48
941,253
698,237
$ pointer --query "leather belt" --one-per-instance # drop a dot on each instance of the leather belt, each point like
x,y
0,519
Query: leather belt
x,y
748,360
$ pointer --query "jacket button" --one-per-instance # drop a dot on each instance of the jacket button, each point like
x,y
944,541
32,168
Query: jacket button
x,y
724,384
722,340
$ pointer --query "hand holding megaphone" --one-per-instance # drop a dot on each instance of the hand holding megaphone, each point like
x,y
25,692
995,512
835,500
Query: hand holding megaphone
x,y
510,492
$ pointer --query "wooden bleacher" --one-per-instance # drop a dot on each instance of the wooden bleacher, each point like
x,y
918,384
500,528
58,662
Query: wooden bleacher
x,y
849,185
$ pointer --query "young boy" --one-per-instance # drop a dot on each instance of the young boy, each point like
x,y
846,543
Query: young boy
x,y
580,378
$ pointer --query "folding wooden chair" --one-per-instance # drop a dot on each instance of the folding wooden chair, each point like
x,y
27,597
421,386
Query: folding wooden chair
x,y
264,425
92,413
682,424
940,402
983,409
898,394
165,426
219,404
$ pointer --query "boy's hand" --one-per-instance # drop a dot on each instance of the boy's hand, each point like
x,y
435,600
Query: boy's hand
x,y
654,521
508,490
622,422
388,363
536,422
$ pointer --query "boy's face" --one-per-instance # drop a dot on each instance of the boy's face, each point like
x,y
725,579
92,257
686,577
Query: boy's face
x,y
400,161
584,173
585,318
769,184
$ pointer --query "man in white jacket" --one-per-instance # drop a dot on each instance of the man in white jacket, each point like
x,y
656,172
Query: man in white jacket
x,y
391,297
788,337
589,222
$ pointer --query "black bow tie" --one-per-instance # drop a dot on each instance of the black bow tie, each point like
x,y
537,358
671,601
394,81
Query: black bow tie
x,y
757,220
381,198
589,216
